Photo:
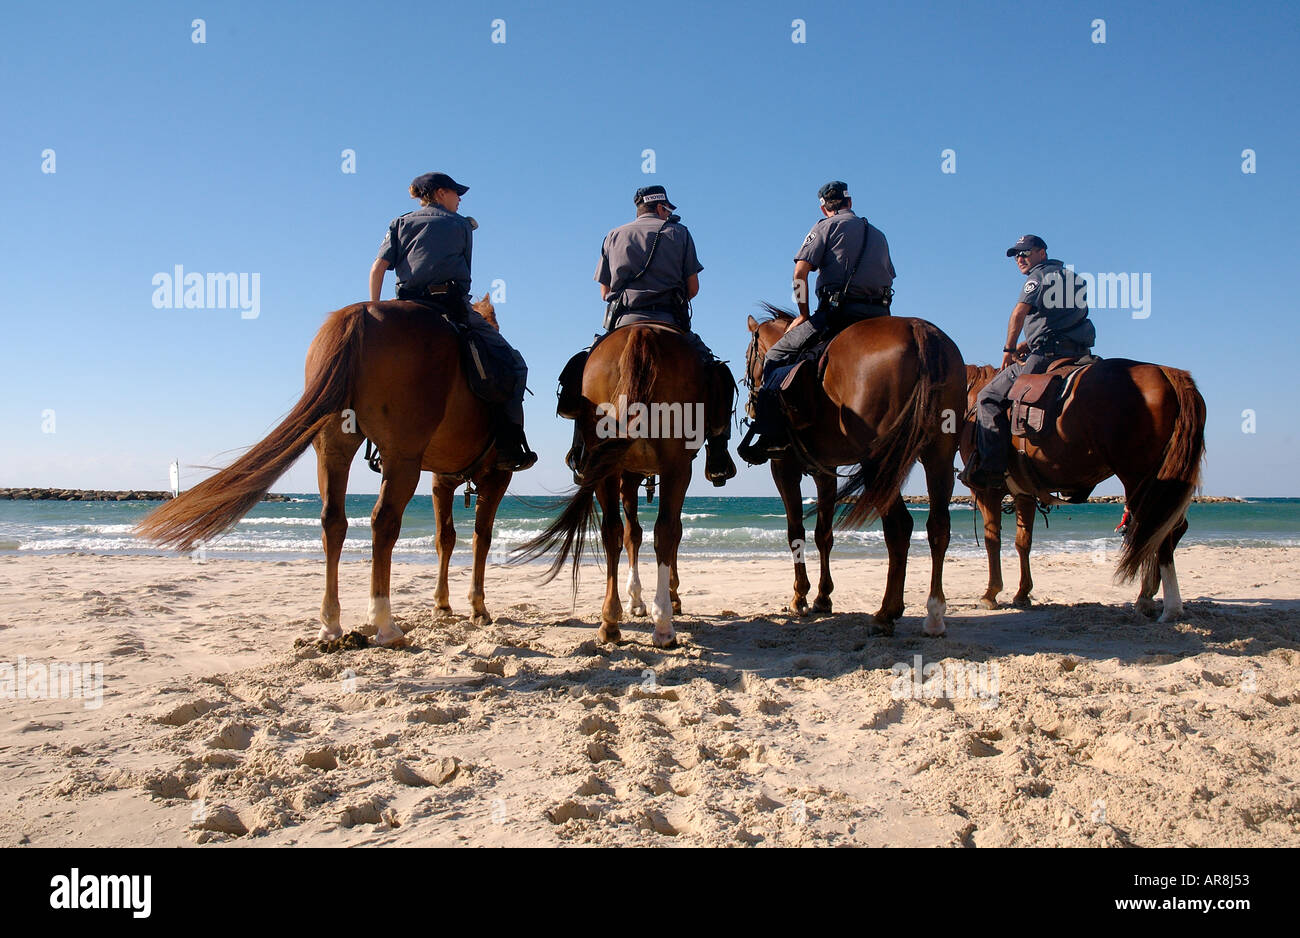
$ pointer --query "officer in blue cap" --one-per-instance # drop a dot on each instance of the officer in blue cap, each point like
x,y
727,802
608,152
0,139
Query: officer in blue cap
x,y
1052,308
430,250
649,272
855,277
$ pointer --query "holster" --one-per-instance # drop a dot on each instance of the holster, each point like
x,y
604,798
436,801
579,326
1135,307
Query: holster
x,y
613,309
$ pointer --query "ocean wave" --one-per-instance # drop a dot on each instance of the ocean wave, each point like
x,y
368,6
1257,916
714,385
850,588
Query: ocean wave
x,y
311,522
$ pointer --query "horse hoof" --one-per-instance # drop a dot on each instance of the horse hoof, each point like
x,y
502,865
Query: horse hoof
x,y
1146,606
799,607
822,605
677,607
1022,602
443,610
638,609
1171,615
664,641
986,603
608,633
393,639
881,625
328,633
930,630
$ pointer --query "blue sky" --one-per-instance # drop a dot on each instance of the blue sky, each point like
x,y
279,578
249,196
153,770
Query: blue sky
x,y
226,157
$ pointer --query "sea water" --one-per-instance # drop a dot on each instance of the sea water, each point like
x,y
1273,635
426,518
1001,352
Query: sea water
x,y
712,528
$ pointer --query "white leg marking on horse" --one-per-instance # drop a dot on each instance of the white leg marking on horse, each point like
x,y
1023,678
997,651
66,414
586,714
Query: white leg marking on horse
x,y
381,616
934,609
330,622
635,603
1173,598
661,610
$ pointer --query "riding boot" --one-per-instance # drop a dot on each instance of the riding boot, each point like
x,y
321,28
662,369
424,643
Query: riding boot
x,y
513,454
720,387
573,458
718,466
980,475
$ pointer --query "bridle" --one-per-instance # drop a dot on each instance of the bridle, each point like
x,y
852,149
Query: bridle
x,y
751,354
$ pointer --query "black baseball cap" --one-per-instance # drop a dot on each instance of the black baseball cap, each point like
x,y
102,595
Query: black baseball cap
x,y
653,194
428,182
1026,243
834,190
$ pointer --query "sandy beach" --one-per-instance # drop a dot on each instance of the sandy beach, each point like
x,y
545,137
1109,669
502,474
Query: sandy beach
x,y
1078,722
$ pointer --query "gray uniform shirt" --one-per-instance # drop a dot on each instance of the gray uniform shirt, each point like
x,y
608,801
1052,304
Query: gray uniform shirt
x,y
1060,305
833,245
430,245
624,252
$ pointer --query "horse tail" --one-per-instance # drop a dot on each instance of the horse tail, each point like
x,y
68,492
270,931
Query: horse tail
x,y
569,534
636,369
218,502
1160,503
883,470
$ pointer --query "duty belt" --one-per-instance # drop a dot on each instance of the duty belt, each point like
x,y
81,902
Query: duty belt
x,y
856,295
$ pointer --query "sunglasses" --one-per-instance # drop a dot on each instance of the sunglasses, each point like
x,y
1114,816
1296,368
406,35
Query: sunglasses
x,y
1023,253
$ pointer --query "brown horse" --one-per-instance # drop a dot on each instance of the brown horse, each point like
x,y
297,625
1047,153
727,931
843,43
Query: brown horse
x,y
390,372
642,414
1143,423
891,394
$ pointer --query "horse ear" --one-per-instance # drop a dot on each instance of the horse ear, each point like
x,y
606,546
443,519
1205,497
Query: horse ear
x,y
753,323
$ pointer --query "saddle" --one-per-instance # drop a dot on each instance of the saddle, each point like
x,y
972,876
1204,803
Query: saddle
x,y
489,371
569,392
793,387
1036,400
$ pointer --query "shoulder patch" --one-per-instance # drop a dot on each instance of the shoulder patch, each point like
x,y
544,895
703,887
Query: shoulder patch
x,y
1031,286
808,239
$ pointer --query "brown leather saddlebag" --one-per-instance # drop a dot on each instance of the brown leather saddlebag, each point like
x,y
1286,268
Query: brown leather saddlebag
x,y
1033,403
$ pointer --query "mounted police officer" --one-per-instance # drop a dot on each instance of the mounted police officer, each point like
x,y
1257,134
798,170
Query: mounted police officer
x,y
855,278
649,272
1052,308
430,249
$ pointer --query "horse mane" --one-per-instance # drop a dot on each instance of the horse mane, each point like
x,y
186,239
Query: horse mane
x,y
978,375
776,313
485,309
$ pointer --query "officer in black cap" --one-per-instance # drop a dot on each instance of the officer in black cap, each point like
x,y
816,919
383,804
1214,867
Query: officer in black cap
x,y
430,249
1052,308
854,282
649,272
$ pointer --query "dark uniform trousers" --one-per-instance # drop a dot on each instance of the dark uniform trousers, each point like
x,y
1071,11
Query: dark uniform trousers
x,y
993,429
824,321
458,309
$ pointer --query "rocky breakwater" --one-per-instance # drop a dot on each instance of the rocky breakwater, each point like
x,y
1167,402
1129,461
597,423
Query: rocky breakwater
x,y
99,495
